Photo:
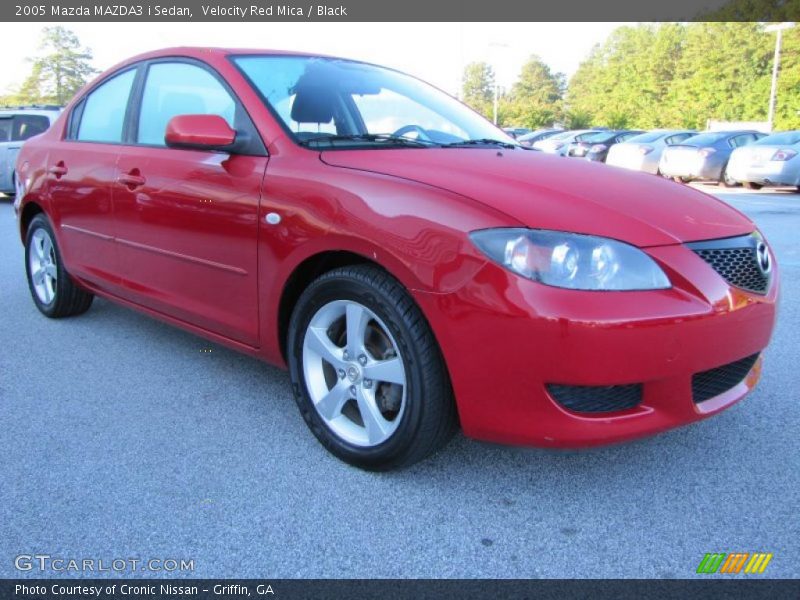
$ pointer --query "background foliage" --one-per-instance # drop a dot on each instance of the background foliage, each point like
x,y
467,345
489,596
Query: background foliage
x,y
60,69
667,75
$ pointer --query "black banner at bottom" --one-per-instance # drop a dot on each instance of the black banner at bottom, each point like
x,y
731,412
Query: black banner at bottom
x,y
389,589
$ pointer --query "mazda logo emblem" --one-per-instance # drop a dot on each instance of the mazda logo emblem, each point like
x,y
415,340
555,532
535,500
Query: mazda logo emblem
x,y
763,258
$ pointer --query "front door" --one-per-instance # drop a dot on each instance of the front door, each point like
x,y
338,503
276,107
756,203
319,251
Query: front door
x,y
187,220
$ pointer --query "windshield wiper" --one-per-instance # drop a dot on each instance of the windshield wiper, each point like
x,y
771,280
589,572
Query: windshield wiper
x,y
370,137
481,142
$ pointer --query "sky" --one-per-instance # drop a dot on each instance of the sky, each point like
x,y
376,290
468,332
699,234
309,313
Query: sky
x,y
435,52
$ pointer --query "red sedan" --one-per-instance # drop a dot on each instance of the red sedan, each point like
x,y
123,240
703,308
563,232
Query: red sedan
x,y
410,263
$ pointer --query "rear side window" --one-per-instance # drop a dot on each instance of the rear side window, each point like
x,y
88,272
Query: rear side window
x,y
5,129
104,110
742,140
174,89
27,126
678,138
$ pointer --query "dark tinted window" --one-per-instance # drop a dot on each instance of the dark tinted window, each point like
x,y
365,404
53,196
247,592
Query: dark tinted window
x,y
104,110
678,138
5,129
742,140
174,89
27,126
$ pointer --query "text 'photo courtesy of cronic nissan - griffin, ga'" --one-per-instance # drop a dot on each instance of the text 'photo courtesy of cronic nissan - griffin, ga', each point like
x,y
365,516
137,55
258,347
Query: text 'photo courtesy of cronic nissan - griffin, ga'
x,y
414,267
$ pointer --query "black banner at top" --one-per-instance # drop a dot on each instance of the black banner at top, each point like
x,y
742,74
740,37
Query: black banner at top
x,y
398,10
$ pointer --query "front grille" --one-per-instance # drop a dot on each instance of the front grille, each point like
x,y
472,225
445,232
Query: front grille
x,y
594,399
736,260
714,382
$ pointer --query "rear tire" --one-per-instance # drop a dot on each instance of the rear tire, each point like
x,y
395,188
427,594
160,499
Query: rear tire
x,y
381,400
725,180
752,186
54,292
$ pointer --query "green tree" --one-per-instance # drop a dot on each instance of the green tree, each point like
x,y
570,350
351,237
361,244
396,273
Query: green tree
x,y
625,79
723,73
535,98
59,71
477,88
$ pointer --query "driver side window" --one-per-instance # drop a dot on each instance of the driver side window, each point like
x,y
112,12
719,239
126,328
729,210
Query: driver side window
x,y
174,89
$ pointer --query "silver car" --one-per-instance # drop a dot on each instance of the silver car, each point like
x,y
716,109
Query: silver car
x,y
705,155
16,126
643,152
773,160
559,143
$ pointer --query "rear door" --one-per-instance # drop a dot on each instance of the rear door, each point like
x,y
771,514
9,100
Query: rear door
x,y
188,219
81,169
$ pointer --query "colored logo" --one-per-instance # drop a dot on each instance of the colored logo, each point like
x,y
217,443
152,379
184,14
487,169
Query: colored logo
x,y
735,562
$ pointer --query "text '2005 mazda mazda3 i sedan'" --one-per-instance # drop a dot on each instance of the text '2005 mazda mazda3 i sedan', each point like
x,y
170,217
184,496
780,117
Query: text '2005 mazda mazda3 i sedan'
x,y
411,265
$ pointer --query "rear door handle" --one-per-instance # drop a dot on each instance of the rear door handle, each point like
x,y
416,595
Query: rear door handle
x,y
59,169
132,179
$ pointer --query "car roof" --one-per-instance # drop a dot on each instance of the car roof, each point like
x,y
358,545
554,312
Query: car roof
x,y
44,111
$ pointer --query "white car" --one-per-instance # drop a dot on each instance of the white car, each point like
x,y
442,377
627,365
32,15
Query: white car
x,y
643,152
773,160
16,126
559,143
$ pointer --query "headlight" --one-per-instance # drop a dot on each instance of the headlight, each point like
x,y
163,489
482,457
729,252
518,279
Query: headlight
x,y
571,260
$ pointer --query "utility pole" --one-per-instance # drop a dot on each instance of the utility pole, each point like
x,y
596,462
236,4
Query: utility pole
x,y
776,62
496,84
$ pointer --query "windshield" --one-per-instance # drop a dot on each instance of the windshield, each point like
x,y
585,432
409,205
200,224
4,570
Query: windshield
x,y
704,139
650,136
600,136
562,136
584,137
338,103
784,137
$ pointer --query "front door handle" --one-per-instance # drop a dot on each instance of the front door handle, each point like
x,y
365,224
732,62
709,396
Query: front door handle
x,y
59,169
132,179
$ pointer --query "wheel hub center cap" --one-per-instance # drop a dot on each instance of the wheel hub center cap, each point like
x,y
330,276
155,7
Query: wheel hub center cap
x,y
353,373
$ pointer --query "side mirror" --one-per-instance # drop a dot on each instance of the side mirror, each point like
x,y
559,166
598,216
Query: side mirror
x,y
199,132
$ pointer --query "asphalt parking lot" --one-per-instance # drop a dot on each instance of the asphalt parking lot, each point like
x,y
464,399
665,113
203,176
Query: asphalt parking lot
x,y
123,437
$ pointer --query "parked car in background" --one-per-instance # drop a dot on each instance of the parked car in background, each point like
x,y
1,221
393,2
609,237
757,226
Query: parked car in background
x,y
595,147
529,139
643,152
17,125
705,156
559,143
516,132
772,160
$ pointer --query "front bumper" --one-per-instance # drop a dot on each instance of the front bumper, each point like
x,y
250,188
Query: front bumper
x,y
506,338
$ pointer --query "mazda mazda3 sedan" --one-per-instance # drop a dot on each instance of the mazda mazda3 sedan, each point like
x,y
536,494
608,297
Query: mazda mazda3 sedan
x,y
412,266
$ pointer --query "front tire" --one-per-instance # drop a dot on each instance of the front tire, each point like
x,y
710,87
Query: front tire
x,y
54,292
366,371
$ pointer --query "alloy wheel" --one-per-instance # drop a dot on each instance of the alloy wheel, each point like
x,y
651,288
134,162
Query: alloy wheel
x,y
43,268
354,373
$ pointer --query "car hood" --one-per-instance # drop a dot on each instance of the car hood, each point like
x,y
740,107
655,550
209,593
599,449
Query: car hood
x,y
549,192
